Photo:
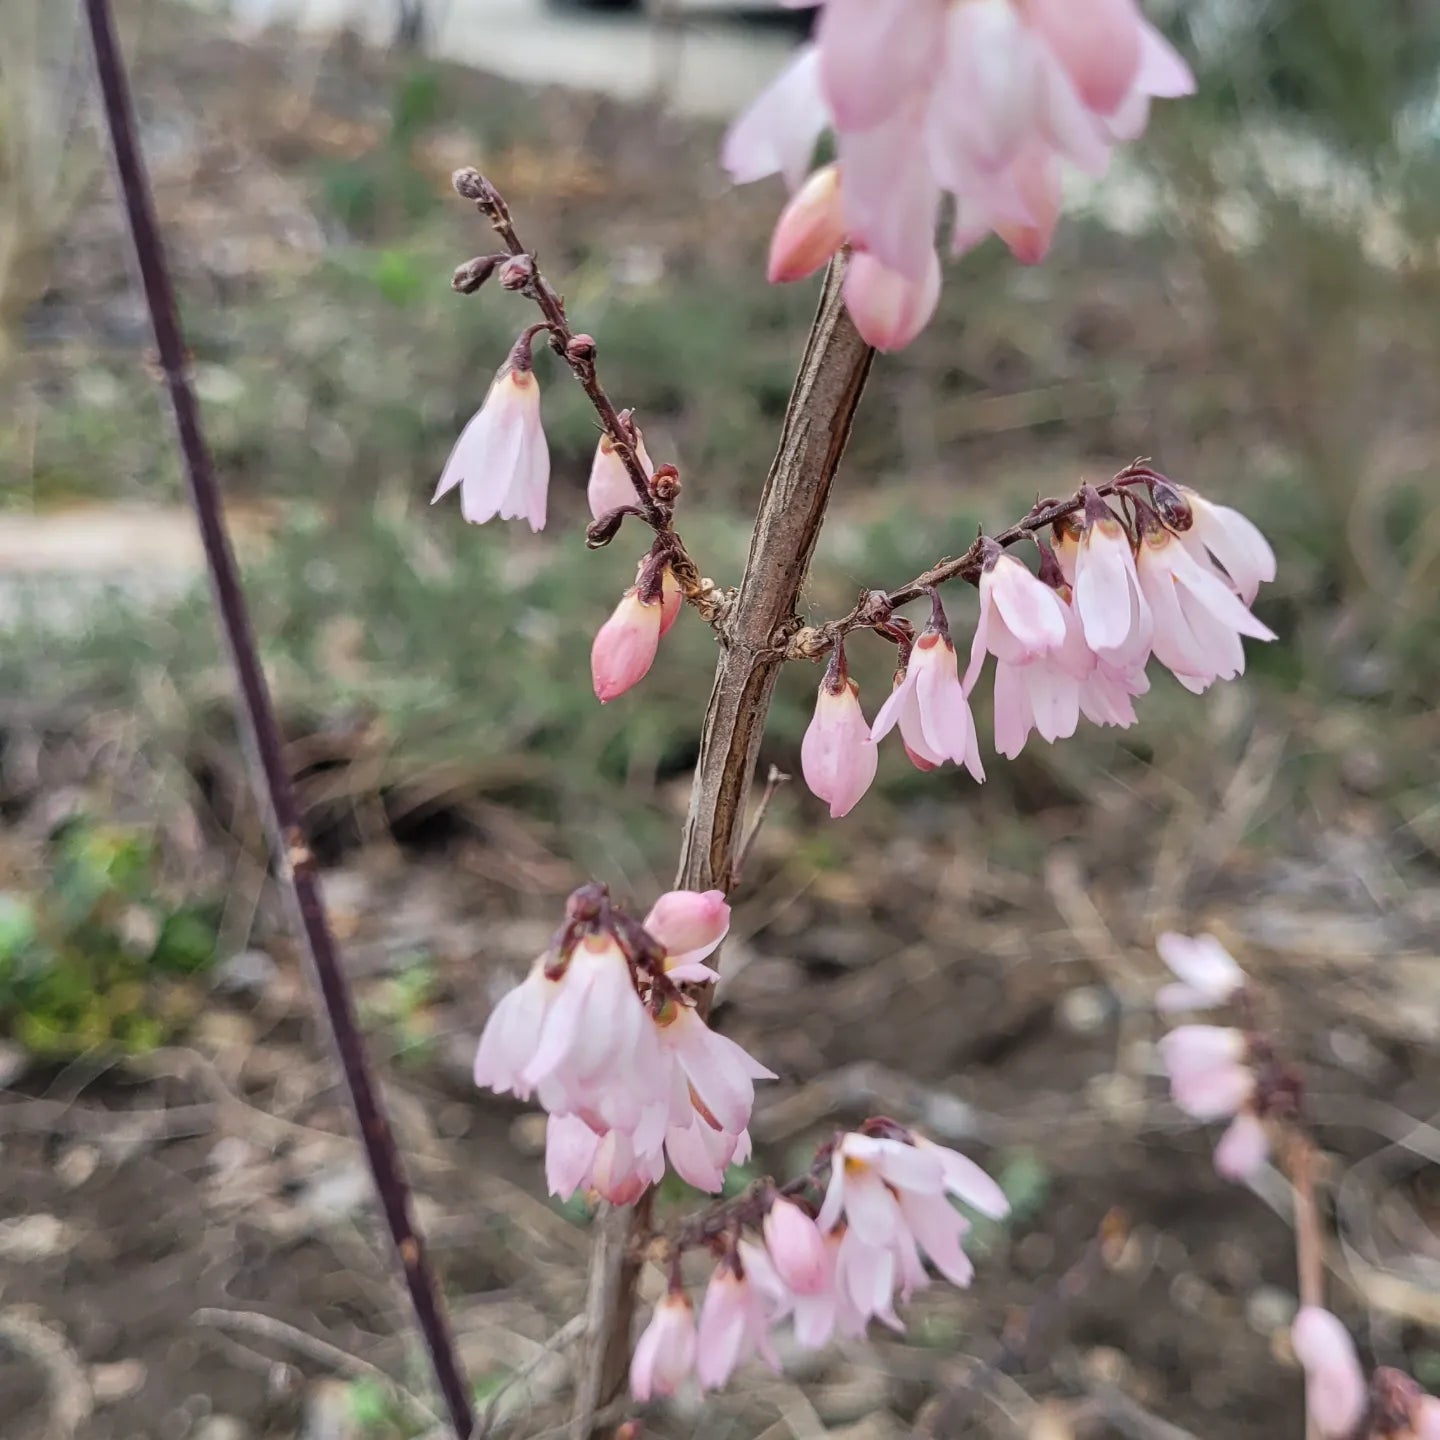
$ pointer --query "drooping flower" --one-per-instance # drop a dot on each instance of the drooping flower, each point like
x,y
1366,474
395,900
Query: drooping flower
x,y
1206,971
665,1353
501,461
1113,609
1197,618
1211,1079
1335,1387
1220,534
797,1249
929,703
980,99
610,485
837,757
733,1326
626,644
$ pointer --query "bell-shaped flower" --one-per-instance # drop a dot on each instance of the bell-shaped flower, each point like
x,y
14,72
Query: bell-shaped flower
x,y
1335,1389
1113,610
1218,533
797,1249
889,310
501,461
1206,972
610,484
626,644
665,1353
837,757
1198,618
512,1033
733,1326
1210,1078
810,230
929,703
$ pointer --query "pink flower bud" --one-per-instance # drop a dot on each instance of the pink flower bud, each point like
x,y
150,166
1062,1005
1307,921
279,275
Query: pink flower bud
x,y
837,757
689,923
810,230
625,646
733,1327
665,1353
610,484
1334,1383
797,1249
889,311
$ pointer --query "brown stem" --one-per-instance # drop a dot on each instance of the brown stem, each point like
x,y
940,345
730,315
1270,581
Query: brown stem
x,y
294,862
792,509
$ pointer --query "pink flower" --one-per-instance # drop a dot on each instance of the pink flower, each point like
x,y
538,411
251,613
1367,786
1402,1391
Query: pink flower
x,y
811,228
665,1353
1107,695
1243,1147
837,756
719,1073
625,645
1425,1418
1220,534
501,461
610,485
512,1034
690,924
892,1196
733,1327
1021,618
929,705
1112,608
797,1249
1207,972
1335,1387
889,310
777,134
1209,1076
1198,619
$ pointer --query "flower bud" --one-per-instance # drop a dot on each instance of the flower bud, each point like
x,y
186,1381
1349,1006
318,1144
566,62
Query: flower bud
x,y
810,230
517,272
470,276
797,1248
625,646
889,311
470,183
580,349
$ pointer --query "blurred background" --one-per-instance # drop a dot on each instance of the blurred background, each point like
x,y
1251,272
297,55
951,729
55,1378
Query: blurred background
x,y
1252,298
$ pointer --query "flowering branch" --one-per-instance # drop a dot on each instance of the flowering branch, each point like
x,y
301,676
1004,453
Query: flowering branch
x,y
294,861
875,608
655,495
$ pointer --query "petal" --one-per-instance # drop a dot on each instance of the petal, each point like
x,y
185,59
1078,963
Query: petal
x,y
1098,42
877,54
1334,1382
968,1182
937,1226
690,924
1242,1148
779,130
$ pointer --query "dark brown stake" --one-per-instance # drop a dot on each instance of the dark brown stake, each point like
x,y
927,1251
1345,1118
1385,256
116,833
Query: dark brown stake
x,y
294,862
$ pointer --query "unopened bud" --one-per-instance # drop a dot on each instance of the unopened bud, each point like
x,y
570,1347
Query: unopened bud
x,y
470,276
517,272
810,230
1174,508
580,349
470,183
665,483
601,532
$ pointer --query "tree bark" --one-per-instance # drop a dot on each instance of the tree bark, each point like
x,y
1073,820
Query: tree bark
x,y
822,406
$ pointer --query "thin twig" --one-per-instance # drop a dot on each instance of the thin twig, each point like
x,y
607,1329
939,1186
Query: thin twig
x,y
773,781
1300,1160
295,863
560,1341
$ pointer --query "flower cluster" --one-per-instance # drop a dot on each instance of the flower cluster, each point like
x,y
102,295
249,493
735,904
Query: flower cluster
x,y
602,1035
1128,577
1221,1072
1340,1404
886,1209
982,100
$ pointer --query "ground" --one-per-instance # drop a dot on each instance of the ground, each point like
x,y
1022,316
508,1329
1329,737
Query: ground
x,y
189,1247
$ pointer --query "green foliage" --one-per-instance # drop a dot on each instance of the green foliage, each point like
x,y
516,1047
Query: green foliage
x,y
95,959
403,1005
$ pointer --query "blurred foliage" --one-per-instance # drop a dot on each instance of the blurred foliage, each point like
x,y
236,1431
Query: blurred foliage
x,y
94,960
403,1006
